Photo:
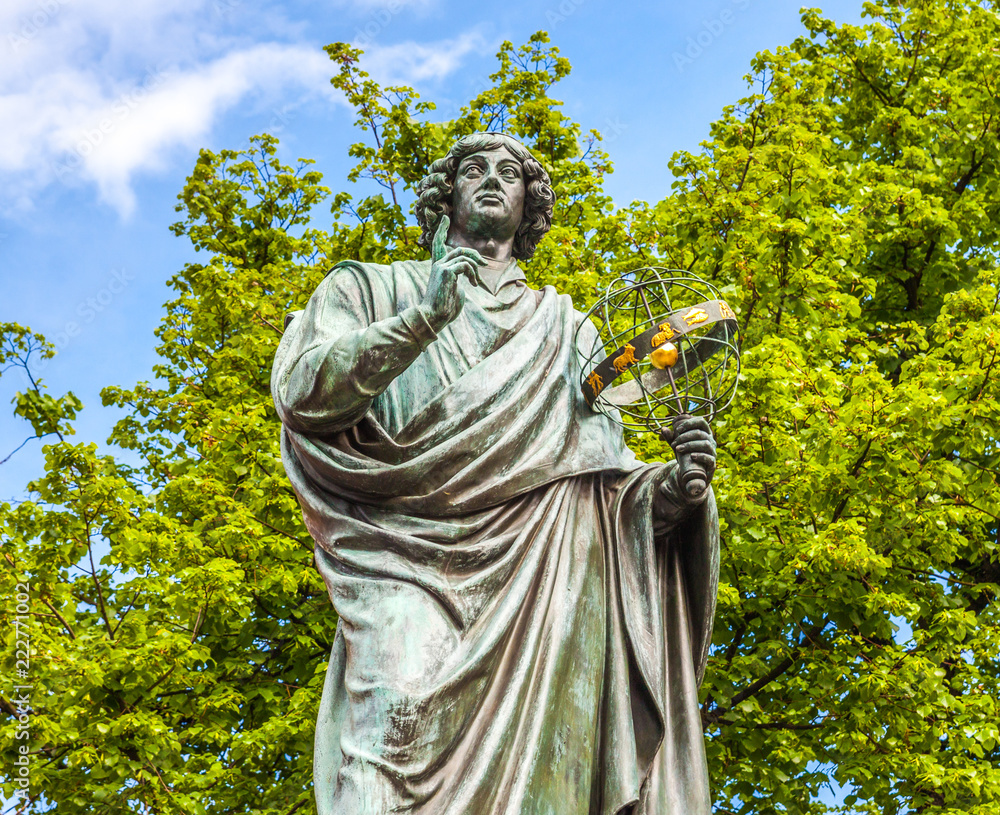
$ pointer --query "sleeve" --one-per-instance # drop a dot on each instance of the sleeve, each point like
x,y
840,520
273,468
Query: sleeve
x,y
670,507
335,357
691,531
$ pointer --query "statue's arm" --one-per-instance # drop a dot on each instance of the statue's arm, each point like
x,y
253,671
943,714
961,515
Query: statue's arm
x,y
335,357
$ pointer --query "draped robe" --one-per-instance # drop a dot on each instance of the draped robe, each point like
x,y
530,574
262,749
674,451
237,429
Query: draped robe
x,y
516,632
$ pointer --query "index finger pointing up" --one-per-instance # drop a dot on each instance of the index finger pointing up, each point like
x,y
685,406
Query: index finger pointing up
x,y
439,245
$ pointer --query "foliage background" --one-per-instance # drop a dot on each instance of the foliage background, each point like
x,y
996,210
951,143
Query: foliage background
x,y
848,208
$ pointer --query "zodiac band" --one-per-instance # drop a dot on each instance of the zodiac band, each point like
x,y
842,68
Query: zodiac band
x,y
712,313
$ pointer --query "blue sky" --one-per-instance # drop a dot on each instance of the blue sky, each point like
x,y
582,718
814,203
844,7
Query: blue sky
x,y
105,104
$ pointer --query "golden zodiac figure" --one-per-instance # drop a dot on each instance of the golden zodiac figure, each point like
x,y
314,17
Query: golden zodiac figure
x,y
695,316
726,311
594,380
666,333
625,358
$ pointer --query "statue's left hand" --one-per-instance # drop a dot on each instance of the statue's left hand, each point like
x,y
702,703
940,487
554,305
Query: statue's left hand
x,y
694,450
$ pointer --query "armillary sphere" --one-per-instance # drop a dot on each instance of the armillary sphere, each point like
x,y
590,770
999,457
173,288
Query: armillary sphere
x,y
667,345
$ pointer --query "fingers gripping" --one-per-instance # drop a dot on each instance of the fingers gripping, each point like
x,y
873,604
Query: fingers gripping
x,y
462,265
694,448
685,423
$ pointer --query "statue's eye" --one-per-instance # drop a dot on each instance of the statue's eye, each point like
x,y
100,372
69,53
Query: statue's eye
x,y
509,172
473,170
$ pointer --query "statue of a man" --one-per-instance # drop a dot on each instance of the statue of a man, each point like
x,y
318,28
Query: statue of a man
x,y
524,608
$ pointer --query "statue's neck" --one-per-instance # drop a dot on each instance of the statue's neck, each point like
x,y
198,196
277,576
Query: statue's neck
x,y
492,248
498,254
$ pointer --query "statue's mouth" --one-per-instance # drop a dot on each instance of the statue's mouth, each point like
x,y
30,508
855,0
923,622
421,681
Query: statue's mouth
x,y
490,196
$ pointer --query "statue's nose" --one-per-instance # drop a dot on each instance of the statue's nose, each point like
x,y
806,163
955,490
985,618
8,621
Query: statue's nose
x,y
491,182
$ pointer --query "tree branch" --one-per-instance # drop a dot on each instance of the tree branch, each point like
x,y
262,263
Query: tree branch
x,y
60,617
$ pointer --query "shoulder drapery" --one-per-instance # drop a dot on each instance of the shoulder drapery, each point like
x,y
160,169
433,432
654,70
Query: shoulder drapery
x,y
511,636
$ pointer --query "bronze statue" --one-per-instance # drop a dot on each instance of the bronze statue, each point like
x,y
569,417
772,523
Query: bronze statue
x,y
525,609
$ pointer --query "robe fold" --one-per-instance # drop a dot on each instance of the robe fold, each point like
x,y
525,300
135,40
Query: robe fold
x,y
514,634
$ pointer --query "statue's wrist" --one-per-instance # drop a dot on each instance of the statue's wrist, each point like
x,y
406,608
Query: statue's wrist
x,y
672,489
436,320
420,324
672,503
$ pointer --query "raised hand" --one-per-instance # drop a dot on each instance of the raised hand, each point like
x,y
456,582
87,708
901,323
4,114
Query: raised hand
x,y
443,299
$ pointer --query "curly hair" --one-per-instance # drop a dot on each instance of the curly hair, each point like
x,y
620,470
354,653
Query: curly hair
x,y
434,192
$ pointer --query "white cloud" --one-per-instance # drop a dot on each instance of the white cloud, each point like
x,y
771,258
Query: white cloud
x,y
36,35
411,62
77,108
66,126
138,129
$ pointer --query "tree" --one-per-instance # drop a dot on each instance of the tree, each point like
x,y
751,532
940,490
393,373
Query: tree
x,y
848,210
852,202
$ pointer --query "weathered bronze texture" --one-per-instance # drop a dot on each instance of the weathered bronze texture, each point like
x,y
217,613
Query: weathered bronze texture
x,y
525,610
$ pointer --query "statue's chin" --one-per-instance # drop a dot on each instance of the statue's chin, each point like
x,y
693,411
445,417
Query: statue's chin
x,y
492,226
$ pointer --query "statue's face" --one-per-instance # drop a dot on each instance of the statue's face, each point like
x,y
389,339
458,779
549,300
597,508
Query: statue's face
x,y
488,197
